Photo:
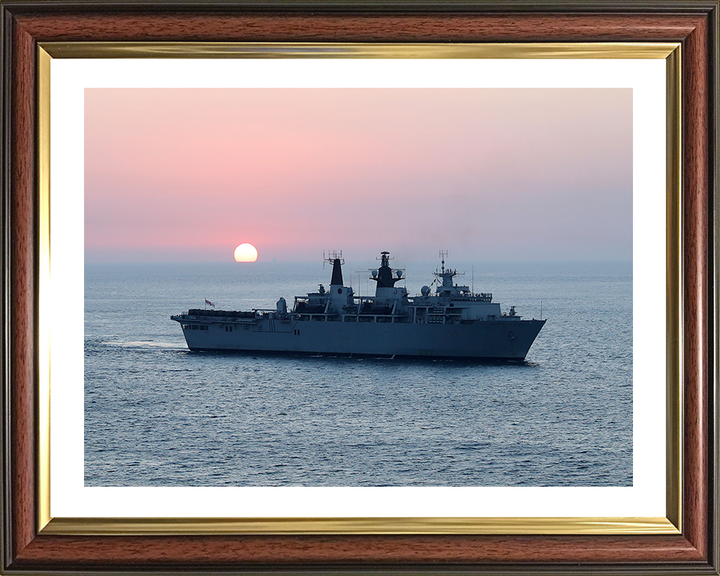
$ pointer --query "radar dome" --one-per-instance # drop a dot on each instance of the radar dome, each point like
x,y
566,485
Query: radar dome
x,y
425,290
399,273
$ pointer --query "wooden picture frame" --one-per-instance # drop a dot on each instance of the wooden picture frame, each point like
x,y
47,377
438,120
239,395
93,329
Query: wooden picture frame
x,y
29,547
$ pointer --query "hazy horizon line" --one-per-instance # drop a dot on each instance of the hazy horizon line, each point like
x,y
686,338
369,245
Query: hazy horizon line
x,y
449,262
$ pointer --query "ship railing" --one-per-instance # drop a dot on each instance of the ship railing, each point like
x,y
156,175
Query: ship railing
x,y
371,299
388,315
353,301
331,314
216,319
352,317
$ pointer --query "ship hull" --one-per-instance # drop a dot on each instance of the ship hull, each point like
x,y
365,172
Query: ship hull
x,y
490,340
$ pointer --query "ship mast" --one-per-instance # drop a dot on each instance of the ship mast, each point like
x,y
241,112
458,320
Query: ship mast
x,y
384,275
445,275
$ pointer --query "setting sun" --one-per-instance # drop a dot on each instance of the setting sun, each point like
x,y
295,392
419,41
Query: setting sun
x,y
246,253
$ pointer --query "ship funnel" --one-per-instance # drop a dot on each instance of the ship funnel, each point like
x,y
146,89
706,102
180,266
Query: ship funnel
x,y
335,258
337,279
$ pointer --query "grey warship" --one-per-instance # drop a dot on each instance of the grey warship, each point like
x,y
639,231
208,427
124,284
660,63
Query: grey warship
x,y
453,322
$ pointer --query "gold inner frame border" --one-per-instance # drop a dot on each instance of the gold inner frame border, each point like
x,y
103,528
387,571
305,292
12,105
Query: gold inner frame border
x,y
671,524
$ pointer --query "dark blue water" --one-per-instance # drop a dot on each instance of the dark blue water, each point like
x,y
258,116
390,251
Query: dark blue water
x,y
159,415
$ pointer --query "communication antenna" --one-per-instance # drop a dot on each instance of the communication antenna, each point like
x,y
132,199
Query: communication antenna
x,y
443,255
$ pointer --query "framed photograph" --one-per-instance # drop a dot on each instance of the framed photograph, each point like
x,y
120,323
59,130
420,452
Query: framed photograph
x,y
198,377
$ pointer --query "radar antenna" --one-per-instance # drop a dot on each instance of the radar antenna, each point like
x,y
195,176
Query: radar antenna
x,y
331,256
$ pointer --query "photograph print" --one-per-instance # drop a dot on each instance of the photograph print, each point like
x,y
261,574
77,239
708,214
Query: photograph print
x,y
358,287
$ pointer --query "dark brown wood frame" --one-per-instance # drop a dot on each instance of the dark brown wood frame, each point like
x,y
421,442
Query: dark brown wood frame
x,y
25,23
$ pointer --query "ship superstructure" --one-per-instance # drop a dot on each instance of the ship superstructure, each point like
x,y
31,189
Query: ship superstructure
x,y
453,322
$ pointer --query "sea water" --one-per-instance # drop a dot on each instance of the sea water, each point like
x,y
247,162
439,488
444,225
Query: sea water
x,y
157,414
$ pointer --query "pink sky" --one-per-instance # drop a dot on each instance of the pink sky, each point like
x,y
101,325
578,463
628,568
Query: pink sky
x,y
489,174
